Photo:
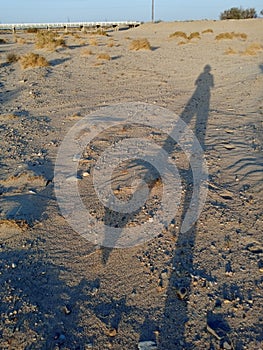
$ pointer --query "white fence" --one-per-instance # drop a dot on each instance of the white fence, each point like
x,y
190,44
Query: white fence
x,y
18,26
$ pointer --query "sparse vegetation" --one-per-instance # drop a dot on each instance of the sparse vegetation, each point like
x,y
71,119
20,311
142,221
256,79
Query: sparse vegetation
x,y
3,41
238,13
140,44
111,43
93,42
206,31
100,31
195,35
178,34
182,42
230,36
12,57
230,51
19,40
86,52
31,60
253,49
48,40
32,30
103,56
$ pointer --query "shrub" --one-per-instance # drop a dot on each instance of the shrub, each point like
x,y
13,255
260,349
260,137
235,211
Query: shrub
x,y
48,40
12,57
140,44
178,34
3,41
32,60
238,13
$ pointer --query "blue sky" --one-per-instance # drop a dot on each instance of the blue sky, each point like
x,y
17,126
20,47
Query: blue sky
x,y
14,11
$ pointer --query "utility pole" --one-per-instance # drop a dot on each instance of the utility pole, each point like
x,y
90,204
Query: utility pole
x,y
152,10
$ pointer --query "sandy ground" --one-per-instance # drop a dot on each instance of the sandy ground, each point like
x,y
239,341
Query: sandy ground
x,y
60,291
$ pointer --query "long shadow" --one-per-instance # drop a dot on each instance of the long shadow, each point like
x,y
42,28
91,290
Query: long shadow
x,y
176,312
198,105
172,329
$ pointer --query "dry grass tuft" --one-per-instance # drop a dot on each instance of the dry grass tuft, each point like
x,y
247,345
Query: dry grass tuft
x,y
230,36
103,56
32,30
4,117
195,35
182,43
3,41
111,43
49,41
252,50
100,32
93,42
32,60
140,44
206,31
178,34
86,52
12,57
230,51
19,40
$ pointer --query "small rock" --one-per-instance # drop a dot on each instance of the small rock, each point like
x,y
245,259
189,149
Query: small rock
x,y
182,292
229,147
147,345
13,265
112,332
76,157
227,346
255,248
66,310
213,332
85,174
88,346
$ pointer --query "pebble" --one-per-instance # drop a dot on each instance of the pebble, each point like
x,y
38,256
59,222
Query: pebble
x,y
147,345
227,346
112,332
66,310
85,174
182,292
255,248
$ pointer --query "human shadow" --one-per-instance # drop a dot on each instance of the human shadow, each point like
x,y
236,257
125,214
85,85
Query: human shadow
x,y
175,316
198,105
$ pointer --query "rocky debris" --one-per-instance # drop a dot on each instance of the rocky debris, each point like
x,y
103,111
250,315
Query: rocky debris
x,y
147,345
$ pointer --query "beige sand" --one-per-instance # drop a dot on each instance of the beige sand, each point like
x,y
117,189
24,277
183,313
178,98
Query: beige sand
x,y
59,291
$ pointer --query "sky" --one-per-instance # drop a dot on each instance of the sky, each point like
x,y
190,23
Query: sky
x,y
24,11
